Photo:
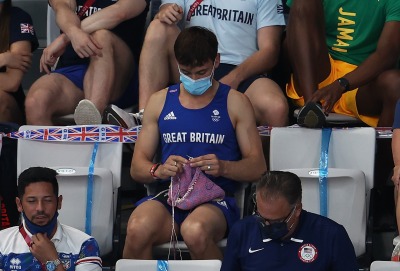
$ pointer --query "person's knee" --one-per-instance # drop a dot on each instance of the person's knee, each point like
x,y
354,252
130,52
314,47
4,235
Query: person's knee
x,y
6,100
7,105
195,235
390,84
39,102
279,105
269,102
276,110
104,37
138,232
33,102
159,33
138,235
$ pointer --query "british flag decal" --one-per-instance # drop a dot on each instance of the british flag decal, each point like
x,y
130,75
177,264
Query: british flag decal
x,y
85,133
27,29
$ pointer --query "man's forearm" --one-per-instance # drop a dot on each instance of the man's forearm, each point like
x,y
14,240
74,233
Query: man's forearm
x,y
396,146
374,65
113,15
259,63
106,18
66,19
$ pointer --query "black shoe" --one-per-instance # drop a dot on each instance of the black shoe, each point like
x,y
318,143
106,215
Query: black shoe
x,y
311,116
116,116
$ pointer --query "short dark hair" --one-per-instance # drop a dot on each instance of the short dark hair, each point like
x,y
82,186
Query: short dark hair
x,y
281,183
195,45
35,175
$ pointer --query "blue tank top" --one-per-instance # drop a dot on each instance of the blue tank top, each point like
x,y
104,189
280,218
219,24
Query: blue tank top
x,y
195,132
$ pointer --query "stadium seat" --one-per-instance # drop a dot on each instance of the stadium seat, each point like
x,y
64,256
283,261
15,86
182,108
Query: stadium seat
x,y
346,200
178,265
385,266
350,174
52,30
71,160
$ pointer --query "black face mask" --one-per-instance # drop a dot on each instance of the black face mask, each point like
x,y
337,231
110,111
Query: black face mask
x,y
277,230
274,231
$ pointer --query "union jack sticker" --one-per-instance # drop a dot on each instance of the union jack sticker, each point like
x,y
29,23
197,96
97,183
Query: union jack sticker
x,y
27,29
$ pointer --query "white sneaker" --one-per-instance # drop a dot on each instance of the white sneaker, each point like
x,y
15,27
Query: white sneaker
x,y
86,113
116,116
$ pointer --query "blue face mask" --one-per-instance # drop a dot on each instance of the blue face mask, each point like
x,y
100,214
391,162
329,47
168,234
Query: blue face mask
x,y
196,87
48,228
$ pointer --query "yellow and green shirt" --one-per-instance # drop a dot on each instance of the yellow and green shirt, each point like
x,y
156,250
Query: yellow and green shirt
x,y
353,27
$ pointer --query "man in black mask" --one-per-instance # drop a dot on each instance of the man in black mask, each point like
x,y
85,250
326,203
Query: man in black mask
x,y
41,243
282,236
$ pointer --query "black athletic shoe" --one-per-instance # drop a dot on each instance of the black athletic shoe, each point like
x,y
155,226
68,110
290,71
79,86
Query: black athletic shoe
x,y
311,116
116,116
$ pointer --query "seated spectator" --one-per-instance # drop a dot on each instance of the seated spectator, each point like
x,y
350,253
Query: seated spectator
x,y
97,50
8,177
282,236
249,36
17,42
186,119
396,160
41,242
343,54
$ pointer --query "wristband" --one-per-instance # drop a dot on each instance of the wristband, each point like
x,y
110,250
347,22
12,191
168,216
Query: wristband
x,y
153,170
344,83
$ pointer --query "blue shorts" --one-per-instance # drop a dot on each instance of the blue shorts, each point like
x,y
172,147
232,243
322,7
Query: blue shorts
x,y
76,74
223,69
227,206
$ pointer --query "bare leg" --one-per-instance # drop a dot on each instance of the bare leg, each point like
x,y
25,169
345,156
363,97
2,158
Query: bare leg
x,y
51,95
9,111
150,224
269,103
379,98
201,231
108,76
306,46
157,65
397,206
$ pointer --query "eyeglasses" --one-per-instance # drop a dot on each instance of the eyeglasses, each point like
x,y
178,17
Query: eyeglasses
x,y
273,221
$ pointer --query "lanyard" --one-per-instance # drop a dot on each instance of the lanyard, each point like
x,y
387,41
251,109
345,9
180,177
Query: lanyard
x,y
192,8
28,241
25,235
89,193
323,171
162,265
85,7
